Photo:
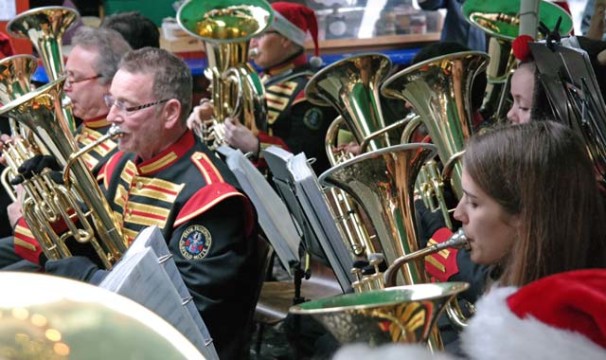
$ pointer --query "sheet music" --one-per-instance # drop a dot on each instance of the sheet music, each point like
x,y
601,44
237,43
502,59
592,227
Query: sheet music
x,y
148,275
277,226
305,198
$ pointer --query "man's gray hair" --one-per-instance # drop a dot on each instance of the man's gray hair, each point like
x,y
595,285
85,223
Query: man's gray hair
x,y
172,76
108,44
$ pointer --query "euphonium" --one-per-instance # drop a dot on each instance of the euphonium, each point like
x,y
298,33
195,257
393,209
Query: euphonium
x,y
382,183
226,27
500,20
15,74
81,205
405,314
439,91
44,27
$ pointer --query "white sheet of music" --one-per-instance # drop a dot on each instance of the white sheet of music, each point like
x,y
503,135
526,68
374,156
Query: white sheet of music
x,y
298,185
147,274
279,228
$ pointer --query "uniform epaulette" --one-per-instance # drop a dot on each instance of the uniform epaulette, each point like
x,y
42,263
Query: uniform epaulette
x,y
443,264
204,199
207,169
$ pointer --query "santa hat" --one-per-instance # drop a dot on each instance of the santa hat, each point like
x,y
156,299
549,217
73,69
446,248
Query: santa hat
x,y
294,21
562,316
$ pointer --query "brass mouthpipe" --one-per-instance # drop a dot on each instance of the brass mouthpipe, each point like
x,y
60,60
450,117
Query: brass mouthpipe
x,y
457,240
114,132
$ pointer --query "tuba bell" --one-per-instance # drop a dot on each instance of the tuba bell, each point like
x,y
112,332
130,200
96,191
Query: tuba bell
x,y
81,206
226,27
45,27
439,91
405,314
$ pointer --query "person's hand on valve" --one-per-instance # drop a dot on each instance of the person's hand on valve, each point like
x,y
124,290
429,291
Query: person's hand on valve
x,y
240,137
200,114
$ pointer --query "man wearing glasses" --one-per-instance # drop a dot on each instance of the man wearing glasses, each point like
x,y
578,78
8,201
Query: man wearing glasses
x,y
89,71
163,175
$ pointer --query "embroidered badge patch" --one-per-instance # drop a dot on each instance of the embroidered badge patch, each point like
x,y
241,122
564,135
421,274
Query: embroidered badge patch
x,y
195,242
313,118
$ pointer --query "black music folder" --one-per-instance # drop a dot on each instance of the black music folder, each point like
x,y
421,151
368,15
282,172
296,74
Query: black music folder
x,y
298,186
148,275
277,225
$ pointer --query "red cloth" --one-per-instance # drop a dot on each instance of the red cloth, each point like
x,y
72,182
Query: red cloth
x,y
6,49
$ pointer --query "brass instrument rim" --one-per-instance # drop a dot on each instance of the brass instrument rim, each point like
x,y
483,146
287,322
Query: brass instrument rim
x,y
32,95
39,301
386,87
260,4
373,154
38,10
388,297
311,94
545,7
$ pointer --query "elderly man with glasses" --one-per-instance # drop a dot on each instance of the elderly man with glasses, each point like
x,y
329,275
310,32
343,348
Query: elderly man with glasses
x,y
165,176
89,71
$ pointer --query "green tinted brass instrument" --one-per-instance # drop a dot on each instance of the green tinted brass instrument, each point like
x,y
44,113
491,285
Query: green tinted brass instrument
x,y
15,74
83,207
405,314
500,21
45,27
439,91
226,27
53,318
352,86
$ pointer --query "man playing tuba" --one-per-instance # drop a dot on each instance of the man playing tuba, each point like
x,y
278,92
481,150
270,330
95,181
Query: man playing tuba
x,y
292,122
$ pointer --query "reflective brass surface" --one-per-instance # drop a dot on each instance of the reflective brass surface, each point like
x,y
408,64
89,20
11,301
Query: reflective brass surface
x,y
382,182
352,86
397,314
45,27
439,91
226,27
47,317
45,201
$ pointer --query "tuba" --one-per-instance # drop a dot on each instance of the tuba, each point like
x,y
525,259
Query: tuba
x,y
500,20
405,314
226,27
351,86
80,204
439,90
44,27
382,182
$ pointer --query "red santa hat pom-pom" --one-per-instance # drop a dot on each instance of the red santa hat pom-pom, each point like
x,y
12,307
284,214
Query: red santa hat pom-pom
x,y
520,47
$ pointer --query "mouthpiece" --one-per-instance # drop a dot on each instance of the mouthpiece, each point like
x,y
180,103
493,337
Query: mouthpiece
x,y
115,132
253,53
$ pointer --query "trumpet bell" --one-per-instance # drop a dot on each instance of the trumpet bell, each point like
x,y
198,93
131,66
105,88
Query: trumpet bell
x,y
501,20
398,314
48,317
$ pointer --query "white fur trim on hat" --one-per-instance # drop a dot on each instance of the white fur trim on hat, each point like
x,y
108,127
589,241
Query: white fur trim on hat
x,y
389,352
288,29
495,333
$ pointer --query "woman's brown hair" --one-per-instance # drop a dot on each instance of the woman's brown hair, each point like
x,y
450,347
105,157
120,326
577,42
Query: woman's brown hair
x,y
541,172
